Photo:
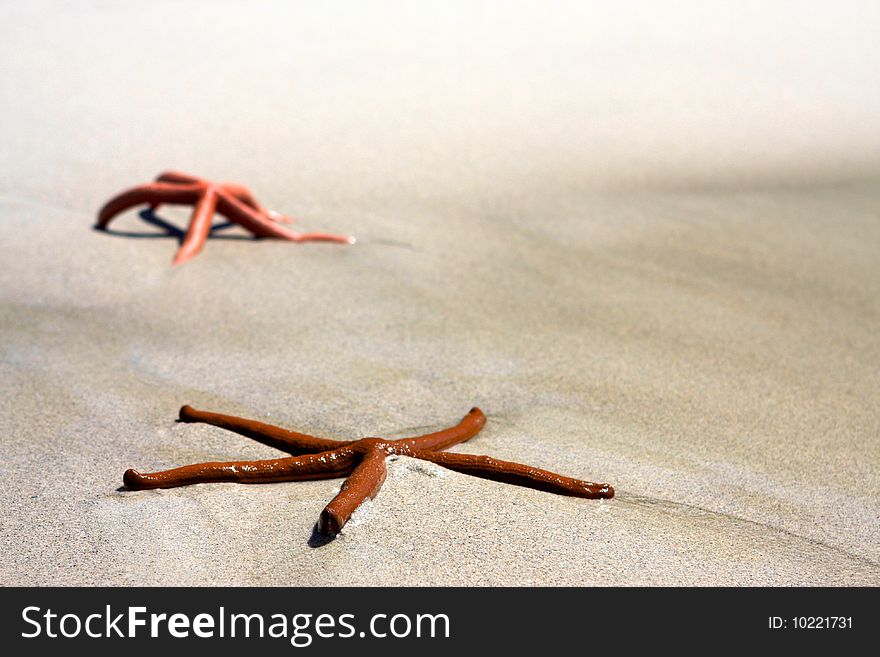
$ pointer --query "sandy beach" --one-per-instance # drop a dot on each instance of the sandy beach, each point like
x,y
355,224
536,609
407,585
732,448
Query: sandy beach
x,y
645,244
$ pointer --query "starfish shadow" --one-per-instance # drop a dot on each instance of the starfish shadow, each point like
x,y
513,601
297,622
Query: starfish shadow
x,y
317,539
170,230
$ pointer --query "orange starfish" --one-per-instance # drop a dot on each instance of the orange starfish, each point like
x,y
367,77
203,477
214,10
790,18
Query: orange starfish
x,y
233,201
361,461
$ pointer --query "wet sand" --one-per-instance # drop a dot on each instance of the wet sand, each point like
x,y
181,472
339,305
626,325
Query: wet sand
x,y
646,267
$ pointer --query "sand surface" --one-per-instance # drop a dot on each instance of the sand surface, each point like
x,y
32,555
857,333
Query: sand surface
x,y
646,244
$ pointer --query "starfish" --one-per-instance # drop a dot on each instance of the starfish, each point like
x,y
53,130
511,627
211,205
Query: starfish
x,y
233,201
361,461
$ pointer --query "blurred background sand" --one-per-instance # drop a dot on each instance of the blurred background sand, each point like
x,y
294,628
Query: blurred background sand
x,y
643,238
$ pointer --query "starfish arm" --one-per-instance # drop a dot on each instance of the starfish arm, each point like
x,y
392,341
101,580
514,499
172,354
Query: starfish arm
x,y
244,195
153,194
291,442
487,467
469,427
199,227
240,213
240,192
326,465
178,177
364,482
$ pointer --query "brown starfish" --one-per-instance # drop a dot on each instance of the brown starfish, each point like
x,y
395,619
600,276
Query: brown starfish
x,y
233,201
361,461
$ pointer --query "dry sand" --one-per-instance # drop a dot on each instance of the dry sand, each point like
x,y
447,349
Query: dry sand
x,y
646,245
